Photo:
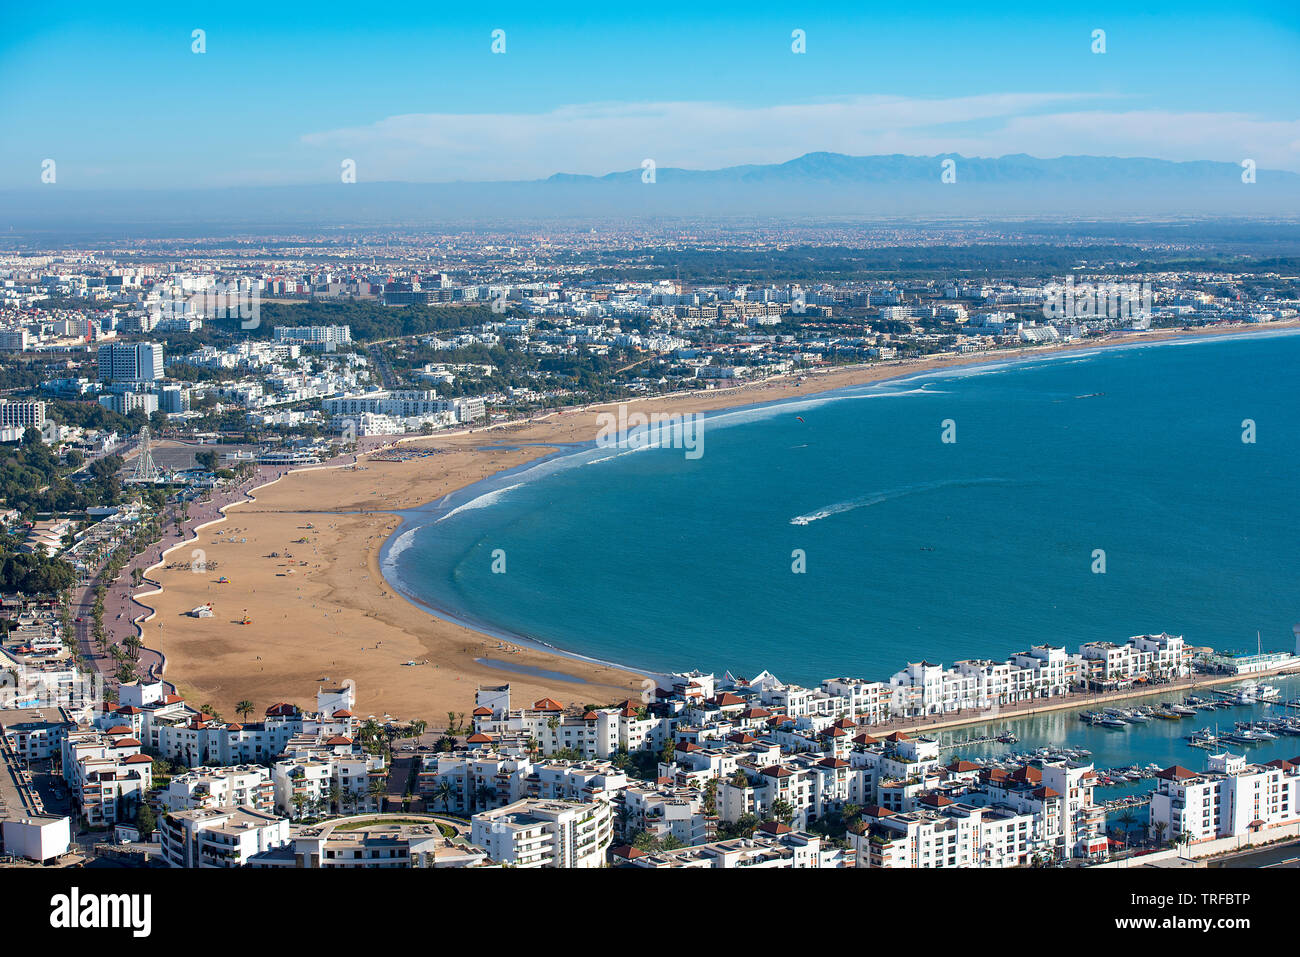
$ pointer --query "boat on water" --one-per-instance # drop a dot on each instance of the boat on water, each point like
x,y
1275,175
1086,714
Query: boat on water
x,y
1252,693
1113,723
1182,709
799,520
1137,717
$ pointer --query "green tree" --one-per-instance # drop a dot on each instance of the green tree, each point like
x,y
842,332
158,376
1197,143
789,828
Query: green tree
x,y
145,822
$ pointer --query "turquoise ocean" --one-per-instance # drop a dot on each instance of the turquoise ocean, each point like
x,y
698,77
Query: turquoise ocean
x,y
912,547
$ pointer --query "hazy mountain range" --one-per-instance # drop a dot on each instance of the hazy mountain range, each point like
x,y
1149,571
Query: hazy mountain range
x,y
815,185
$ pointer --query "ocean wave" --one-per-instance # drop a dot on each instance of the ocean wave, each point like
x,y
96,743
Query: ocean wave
x,y
744,416
483,501
875,498
399,544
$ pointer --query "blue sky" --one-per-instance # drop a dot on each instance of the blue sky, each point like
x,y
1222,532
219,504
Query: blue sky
x,y
285,92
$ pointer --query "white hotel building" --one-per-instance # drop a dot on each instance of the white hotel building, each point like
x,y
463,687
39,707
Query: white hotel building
x,y
219,837
1162,655
535,833
1230,799
245,785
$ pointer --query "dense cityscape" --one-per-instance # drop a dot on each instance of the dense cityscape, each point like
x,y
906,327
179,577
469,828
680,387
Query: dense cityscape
x,y
598,438
144,389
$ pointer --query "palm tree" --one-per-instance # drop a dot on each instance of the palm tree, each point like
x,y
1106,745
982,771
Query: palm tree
x,y
443,792
244,709
1127,818
377,789
783,811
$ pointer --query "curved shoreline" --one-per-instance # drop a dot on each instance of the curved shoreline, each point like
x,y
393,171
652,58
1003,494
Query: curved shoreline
x,y
387,499
443,507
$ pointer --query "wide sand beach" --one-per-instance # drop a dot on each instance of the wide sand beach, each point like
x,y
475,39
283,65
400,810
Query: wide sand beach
x,y
305,602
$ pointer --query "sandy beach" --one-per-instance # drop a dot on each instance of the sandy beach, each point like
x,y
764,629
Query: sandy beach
x,y
301,561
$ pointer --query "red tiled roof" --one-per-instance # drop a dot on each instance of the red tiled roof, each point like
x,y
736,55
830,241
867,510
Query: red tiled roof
x,y
548,704
126,743
1045,793
482,712
343,713
833,763
119,729
338,739
774,827
777,771
137,759
1176,773
479,738
627,852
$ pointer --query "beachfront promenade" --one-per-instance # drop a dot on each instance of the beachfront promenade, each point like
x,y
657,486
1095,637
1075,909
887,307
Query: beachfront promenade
x,y
124,609
1074,699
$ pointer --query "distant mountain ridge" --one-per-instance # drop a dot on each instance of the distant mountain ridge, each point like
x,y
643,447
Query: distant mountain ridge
x,y
813,186
823,167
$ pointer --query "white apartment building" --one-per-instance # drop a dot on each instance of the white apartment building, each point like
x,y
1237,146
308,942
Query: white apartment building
x,y
404,403
107,774
379,844
1230,799
666,812
944,834
314,335
244,785
1160,655
465,782
130,362
23,412
219,837
535,833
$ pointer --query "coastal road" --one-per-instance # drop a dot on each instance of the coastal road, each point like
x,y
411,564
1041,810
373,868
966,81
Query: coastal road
x,y
1285,856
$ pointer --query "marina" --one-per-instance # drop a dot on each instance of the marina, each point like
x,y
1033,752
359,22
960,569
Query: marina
x,y
1181,728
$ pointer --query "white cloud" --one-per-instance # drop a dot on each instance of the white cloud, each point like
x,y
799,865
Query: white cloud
x,y
598,138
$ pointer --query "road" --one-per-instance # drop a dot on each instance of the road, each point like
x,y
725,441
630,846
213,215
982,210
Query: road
x,y
1286,856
